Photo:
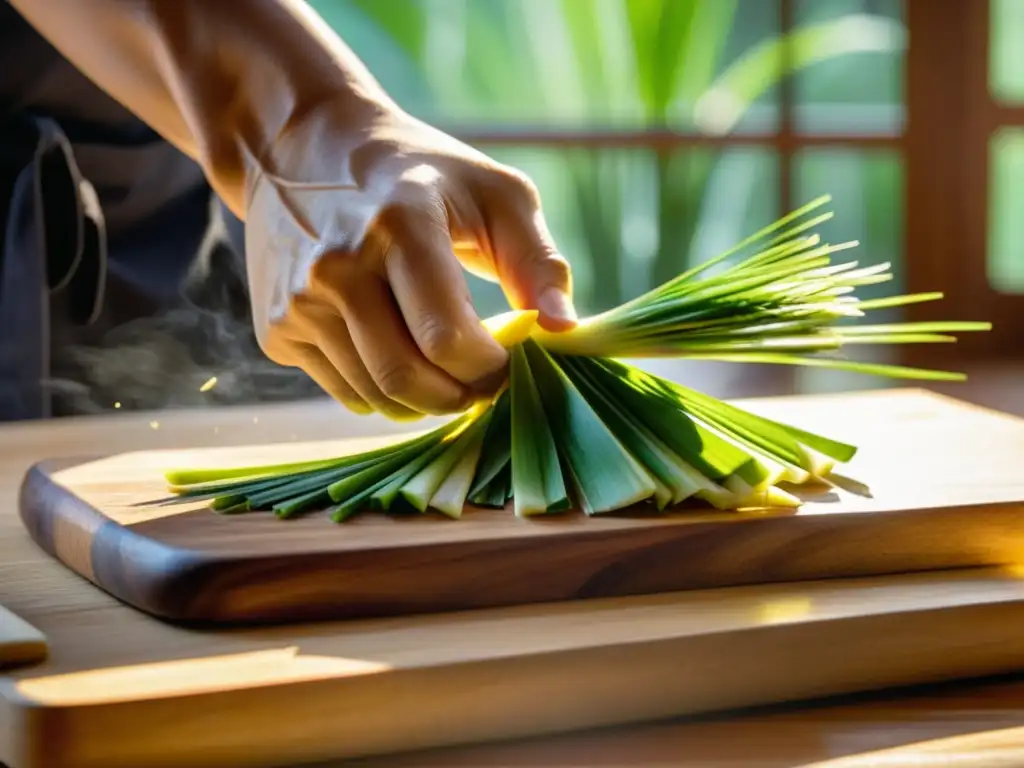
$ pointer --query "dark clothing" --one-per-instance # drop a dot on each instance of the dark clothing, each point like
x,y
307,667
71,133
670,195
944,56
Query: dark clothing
x,y
100,218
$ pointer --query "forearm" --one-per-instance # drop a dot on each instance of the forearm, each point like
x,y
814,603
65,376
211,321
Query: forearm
x,y
223,81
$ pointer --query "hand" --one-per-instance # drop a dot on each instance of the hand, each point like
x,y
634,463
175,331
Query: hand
x,y
356,241
357,216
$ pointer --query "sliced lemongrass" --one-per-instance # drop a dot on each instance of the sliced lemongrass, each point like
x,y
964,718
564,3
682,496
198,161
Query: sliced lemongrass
x,y
512,328
745,430
695,426
301,486
923,327
371,475
769,498
420,488
878,369
672,482
390,493
738,487
497,447
359,500
186,477
902,300
383,497
296,504
493,493
778,447
538,486
695,464
191,493
605,475
450,497
572,418
377,486
497,493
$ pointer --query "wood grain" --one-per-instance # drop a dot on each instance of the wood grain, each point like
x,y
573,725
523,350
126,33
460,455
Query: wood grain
x,y
333,690
961,725
945,492
20,642
466,699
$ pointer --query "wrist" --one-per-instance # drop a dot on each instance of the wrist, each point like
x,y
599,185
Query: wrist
x,y
256,89
311,144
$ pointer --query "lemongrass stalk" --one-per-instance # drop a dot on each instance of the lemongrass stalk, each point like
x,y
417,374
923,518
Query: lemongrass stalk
x,y
450,496
575,427
536,475
422,486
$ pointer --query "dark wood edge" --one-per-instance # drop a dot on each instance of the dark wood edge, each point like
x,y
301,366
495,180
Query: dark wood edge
x,y
38,728
189,587
39,500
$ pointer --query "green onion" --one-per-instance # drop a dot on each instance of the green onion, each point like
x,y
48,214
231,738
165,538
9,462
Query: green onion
x,y
576,427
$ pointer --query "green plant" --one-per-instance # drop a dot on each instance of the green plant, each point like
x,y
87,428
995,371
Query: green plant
x,y
588,64
576,427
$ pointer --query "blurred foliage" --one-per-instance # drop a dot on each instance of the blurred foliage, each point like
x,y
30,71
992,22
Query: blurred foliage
x,y
628,219
1006,163
1006,226
1006,54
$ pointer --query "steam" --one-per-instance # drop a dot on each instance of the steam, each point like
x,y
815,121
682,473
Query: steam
x,y
168,360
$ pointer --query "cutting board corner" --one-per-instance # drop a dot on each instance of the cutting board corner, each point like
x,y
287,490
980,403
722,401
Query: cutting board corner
x,y
945,492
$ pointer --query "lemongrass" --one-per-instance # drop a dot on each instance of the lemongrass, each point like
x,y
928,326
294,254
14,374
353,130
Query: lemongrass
x,y
537,482
576,427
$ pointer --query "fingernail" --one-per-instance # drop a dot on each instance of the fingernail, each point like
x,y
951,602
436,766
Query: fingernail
x,y
556,304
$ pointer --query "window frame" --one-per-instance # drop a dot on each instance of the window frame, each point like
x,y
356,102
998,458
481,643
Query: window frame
x,y
943,144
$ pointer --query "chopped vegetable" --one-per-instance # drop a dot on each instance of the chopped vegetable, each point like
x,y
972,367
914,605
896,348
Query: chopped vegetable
x,y
576,427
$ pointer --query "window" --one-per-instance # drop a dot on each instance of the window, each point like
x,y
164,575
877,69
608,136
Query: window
x,y
662,131
962,159
1005,266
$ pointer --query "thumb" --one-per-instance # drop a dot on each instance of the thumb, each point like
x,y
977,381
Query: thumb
x,y
531,271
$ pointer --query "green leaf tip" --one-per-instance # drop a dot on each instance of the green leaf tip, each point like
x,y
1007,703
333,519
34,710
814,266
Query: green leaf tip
x,y
577,428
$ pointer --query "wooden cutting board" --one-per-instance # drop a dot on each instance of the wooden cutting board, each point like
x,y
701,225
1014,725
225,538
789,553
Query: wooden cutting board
x,y
946,489
20,642
120,692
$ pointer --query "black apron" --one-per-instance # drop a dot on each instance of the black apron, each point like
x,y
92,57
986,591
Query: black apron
x,y
100,218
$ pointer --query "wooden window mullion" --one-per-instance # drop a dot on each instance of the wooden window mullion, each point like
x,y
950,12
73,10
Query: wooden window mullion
x,y
936,230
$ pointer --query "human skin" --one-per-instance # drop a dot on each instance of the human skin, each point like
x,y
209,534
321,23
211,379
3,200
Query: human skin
x,y
359,218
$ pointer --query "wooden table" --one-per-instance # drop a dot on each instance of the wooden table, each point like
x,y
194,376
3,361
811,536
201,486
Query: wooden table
x,y
982,718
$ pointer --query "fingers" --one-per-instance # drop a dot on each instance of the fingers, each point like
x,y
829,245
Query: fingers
x,y
432,294
390,355
288,343
325,374
398,330
532,272
330,334
391,327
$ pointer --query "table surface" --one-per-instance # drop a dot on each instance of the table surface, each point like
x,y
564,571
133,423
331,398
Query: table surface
x,y
970,724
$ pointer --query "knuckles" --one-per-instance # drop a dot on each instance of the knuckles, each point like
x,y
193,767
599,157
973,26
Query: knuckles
x,y
516,187
557,268
278,345
332,275
439,341
397,381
